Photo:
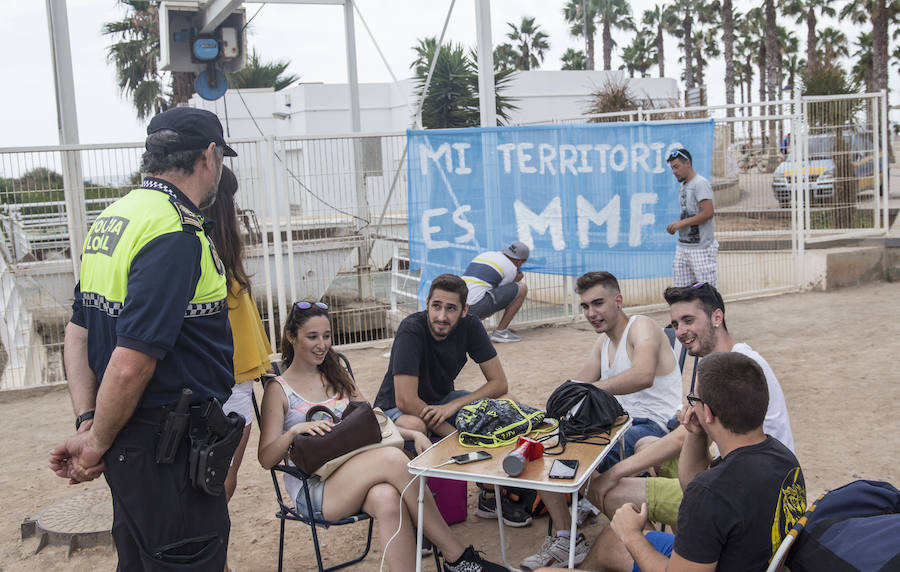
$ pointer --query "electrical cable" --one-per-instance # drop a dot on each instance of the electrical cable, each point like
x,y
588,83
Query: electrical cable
x,y
400,525
247,23
294,176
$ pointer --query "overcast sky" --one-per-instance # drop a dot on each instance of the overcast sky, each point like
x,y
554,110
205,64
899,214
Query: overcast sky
x,y
312,37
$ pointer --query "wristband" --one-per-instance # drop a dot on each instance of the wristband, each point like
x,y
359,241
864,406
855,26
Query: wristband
x,y
83,417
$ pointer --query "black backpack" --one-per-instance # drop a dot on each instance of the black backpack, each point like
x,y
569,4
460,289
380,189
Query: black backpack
x,y
583,410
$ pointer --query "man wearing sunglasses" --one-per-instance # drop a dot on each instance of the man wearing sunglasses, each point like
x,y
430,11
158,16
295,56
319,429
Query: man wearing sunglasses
x,y
698,316
695,255
737,509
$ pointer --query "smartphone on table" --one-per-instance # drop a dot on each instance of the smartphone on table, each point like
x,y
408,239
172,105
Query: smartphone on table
x,y
470,457
564,469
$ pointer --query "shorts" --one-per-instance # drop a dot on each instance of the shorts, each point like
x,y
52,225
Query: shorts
x,y
640,427
494,300
394,413
240,401
692,265
661,541
316,492
663,499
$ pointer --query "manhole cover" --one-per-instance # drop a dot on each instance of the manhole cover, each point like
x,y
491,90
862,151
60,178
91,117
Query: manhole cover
x,y
78,521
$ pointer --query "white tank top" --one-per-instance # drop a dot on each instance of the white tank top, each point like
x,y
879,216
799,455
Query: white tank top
x,y
659,401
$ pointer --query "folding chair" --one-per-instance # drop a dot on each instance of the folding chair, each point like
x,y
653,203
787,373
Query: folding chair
x,y
287,512
780,557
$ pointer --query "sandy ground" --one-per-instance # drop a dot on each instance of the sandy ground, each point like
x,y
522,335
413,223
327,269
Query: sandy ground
x,y
835,355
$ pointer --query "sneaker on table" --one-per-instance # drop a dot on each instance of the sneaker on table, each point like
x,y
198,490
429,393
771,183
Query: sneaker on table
x,y
555,552
514,514
472,561
504,336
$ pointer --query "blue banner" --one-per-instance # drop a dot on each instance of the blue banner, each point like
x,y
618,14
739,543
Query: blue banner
x,y
582,197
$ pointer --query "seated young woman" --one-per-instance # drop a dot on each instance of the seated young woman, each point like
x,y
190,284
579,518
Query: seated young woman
x,y
371,481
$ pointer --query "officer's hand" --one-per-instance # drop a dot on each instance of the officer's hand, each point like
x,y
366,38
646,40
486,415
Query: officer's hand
x,y
79,458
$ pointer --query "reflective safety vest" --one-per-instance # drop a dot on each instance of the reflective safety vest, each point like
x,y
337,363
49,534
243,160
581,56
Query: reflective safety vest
x,y
119,234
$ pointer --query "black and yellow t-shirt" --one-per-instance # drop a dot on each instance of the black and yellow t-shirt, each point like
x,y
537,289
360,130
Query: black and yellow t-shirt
x,y
738,511
152,282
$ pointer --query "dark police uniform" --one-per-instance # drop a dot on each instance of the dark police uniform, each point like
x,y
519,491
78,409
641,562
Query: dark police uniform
x,y
152,282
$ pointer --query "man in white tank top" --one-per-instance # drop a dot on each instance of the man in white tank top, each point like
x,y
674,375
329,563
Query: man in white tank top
x,y
698,316
633,360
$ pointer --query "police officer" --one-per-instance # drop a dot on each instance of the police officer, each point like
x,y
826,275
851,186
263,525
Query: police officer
x,y
150,319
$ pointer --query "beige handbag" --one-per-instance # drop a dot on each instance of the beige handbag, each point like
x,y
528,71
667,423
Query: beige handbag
x,y
390,437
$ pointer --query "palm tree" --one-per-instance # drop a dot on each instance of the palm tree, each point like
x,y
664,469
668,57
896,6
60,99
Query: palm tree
x,y
583,24
705,46
640,54
135,52
686,12
260,74
662,19
573,59
728,45
880,13
832,44
612,14
806,10
532,43
861,72
505,57
452,98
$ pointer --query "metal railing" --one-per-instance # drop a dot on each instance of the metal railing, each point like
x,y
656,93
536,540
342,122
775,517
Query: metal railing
x,y
326,217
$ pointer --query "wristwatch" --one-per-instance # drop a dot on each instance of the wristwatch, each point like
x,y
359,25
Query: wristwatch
x,y
83,417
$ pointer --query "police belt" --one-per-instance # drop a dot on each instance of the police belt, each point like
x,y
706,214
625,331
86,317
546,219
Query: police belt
x,y
214,437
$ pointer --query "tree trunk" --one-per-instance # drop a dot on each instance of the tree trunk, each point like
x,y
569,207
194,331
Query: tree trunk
x,y
607,45
688,51
811,57
182,88
590,51
728,41
879,46
773,64
660,54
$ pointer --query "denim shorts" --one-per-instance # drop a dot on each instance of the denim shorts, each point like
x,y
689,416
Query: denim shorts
x,y
494,300
640,427
394,413
316,490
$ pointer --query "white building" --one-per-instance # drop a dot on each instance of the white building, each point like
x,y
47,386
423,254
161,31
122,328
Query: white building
x,y
324,109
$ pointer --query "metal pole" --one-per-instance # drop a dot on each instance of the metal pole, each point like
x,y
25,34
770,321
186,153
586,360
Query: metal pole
x,y
365,287
67,125
487,100
885,178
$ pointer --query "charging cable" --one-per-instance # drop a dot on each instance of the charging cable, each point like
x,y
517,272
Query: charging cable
x,y
400,525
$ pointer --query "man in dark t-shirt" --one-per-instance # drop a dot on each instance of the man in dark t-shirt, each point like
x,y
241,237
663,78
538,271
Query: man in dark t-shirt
x,y
429,350
736,511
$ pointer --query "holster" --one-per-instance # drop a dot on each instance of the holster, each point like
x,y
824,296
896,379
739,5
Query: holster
x,y
214,439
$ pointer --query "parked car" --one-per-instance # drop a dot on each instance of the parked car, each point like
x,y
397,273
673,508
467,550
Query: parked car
x,y
820,169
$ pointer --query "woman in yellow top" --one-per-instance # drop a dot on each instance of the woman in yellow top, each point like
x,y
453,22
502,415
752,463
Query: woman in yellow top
x,y
251,347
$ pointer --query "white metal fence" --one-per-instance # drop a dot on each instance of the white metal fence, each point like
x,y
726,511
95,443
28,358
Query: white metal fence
x,y
326,217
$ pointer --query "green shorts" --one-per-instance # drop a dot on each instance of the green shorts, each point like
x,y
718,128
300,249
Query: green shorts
x,y
664,494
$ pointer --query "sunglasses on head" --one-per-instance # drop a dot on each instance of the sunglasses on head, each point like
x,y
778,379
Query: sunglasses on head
x,y
677,153
307,305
